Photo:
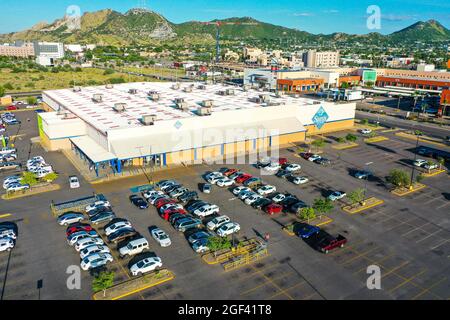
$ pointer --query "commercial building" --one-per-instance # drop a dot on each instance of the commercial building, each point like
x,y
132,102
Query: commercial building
x,y
413,82
299,85
48,52
165,124
323,59
18,49
422,67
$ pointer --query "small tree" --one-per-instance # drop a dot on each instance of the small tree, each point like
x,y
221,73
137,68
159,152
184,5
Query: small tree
x,y
32,100
102,282
306,213
217,243
351,137
398,178
50,177
365,121
441,162
319,143
357,196
29,178
419,178
2,91
322,205
340,139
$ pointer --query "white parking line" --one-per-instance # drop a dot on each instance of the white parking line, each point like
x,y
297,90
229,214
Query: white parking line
x,y
430,235
444,205
445,241
417,228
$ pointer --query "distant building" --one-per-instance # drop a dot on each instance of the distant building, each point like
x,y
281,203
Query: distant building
x,y
425,67
251,54
324,59
18,49
299,85
48,52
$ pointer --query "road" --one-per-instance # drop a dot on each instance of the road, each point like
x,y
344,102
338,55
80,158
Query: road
x,y
429,129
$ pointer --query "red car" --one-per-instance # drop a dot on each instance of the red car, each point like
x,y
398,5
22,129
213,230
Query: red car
x,y
78,227
159,203
282,161
229,172
273,208
306,155
11,108
169,212
243,177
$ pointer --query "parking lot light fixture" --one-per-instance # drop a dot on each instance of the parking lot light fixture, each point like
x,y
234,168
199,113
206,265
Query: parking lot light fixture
x,y
367,178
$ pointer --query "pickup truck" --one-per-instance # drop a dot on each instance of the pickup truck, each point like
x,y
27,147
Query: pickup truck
x,y
325,242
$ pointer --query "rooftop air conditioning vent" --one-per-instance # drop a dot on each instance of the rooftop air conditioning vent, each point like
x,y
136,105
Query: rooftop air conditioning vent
x,y
264,97
76,89
201,87
183,106
230,92
204,111
208,103
176,86
154,95
246,87
132,91
222,93
187,89
148,120
179,100
120,107
109,86
256,100
98,97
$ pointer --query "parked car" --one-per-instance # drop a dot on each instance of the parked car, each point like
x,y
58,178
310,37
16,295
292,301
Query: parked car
x,y
98,204
229,172
362,174
188,196
252,199
430,166
96,260
314,157
74,182
214,177
252,182
323,161
273,167
366,131
261,203
224,182
201,245
122,234
245,194
265,190
178,192
300,180
206,188
149,193
206,210
173,206
282,173
161,237
238,190
76,227
184,224
86,242
103,216
152,200
337,195
145,265
134,246
138,202
6,244
293,167
110,229
17,187
273,208
172,211
306,155
70,217
74,238
243,177
306,230
278,198
228,228
93,249
325,242
195,205
420,162
198,235
217,222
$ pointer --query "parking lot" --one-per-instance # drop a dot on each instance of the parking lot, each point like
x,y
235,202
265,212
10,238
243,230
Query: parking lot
x,y
407,237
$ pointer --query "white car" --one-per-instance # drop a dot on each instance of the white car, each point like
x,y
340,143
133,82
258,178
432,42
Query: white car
x,y
8,233
366,131
337,195
217,222
265,190
252,199
17,187
314,157
293,167
300,180
430,166
420,162
97,204
69,218
84,243
148,194
161,237
214,178
175,206
11,180
228,228
96,260
145,265
93,249
73,239
40,173
6,244
156,196
207,210
117,226
238,190
245,194
278,198
74,182
273,167
225,182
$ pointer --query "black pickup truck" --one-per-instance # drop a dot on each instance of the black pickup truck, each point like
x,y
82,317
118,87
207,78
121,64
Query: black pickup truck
x,y
325,242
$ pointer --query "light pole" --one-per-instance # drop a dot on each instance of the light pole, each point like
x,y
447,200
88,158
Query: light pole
x,y
367,177
418,134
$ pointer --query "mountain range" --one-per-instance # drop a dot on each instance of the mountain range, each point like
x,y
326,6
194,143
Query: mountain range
x,y
142,26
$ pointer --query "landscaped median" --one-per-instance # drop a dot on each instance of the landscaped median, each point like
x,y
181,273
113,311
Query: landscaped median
x,y
343,146
318,222
134,285
403,191
421,138
432,173
31,192
376,139
223,255
363,205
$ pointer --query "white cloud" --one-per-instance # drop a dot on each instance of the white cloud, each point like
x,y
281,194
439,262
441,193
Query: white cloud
x,y
302,14
331,11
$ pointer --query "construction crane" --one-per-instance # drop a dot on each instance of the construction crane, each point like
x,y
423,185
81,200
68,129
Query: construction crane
x,y
218,24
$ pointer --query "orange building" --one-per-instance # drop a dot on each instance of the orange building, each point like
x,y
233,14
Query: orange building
x,y
416,83
448,64
351,80
299,85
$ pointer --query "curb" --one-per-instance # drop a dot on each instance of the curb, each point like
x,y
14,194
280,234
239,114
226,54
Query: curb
x,y
346,147
427,175
26,194
411,137
422,186
376,139
363,208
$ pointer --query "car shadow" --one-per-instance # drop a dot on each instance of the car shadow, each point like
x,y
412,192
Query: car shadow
x,y
385,149
446,195
140,256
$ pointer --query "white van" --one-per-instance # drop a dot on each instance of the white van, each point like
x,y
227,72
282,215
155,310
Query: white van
x,y
134,247
6,244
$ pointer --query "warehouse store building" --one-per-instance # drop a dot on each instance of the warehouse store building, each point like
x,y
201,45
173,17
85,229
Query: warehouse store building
x,y
165,124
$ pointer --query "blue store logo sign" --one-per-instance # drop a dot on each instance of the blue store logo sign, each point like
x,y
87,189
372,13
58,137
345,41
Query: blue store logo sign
x,y
320,118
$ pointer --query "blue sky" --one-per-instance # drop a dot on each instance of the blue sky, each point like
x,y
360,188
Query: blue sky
x,y
313,16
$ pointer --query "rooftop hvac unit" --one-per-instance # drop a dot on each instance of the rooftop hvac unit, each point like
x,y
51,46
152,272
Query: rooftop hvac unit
x,y
120,107
149,119
246,87
76,89
222,93
208,103
132,91
179,100
182,106
154,96
256,100
187,89
98,97
176,86
264,97
230,92
109,86
204,111
201,87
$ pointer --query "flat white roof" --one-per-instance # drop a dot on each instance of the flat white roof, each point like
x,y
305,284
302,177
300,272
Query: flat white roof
x,y
102,116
